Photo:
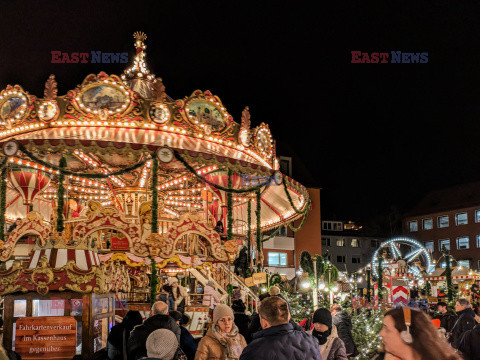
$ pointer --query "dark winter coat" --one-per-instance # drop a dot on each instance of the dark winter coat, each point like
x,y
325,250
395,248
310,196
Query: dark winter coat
x,y
282,342
447,320
187,343
242,321
120,333
470,344
255,326
465,322
138,337
344,327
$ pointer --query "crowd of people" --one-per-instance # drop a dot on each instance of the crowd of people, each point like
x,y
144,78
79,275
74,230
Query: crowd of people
x,y
270,333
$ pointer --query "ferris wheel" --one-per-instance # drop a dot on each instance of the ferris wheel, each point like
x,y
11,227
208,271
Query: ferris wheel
x,y
407,253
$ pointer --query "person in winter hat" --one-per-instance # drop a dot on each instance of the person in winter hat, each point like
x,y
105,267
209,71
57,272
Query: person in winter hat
x,y
222,341
180,294
161,344
136,347
118,337
330,345
344,327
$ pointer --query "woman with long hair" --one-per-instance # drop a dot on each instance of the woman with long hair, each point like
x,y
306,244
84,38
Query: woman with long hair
x,y
409,334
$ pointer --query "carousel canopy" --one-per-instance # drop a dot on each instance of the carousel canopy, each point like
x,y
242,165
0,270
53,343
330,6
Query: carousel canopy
x,y
115,125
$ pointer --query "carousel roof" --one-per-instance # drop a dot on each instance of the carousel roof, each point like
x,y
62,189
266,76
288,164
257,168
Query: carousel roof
x,y
110,123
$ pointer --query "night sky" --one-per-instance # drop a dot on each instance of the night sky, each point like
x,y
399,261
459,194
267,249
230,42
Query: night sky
x,y
374,137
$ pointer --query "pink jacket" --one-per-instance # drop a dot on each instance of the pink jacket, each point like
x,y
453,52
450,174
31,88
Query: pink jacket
x,y
210,297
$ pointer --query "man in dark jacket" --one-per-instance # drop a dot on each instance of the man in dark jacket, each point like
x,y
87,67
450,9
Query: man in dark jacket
x,y
470,344
465,321
159,320
344,327
278,340
447,318
187,342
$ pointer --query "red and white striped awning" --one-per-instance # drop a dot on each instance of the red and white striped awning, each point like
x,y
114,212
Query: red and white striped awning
x,y
57,258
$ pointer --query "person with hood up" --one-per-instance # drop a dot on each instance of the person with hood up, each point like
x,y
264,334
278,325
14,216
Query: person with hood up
x,y
344,328
330,345
159,320
470,344
465,322
118,337
222,341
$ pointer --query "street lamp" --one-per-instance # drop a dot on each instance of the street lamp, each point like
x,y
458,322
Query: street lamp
x,y
321,286
315,288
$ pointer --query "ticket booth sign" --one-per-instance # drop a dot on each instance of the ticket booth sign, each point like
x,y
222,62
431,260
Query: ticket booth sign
x,y
46,337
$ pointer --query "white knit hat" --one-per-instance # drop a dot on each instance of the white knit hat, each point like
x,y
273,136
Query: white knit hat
x,y
220,311
162,343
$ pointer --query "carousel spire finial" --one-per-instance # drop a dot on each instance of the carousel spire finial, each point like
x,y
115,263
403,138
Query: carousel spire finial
x,y
138,76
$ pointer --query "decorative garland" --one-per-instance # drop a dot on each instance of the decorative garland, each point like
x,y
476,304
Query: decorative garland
x,y
291,201
153,281
60,195
273,235
216,186
3,197
230,207
448,276
275,279
154,195
259,231
368,284
306,262
304,219
80,175
249,229
380,279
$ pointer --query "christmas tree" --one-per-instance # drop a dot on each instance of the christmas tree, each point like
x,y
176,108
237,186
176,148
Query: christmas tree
x,y
366,326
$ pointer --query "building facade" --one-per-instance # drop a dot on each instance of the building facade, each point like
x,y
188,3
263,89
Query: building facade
x,y
450,218
282,253
347,246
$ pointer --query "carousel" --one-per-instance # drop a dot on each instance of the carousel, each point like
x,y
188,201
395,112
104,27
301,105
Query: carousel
x,y
116,186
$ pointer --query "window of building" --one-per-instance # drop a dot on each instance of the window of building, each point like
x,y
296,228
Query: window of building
x,y
326,241
461,218
463,243
478,241
413,225
355,243
464,263
277,259
340,258
427,224
477,216
355,259
340,242
478,264
443,221
429,245
442,243
332,225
